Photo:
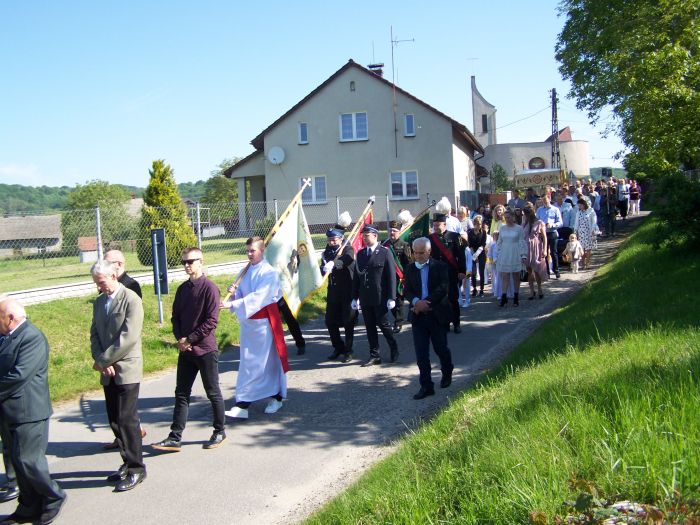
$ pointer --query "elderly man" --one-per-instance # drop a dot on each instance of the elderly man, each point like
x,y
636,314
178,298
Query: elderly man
x,y
426,288
115,343
263,363
25,408
374,290
194,319
117,258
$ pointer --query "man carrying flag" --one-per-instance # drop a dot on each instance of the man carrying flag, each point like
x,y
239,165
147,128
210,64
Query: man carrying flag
x,y
401,252
446,247
263,361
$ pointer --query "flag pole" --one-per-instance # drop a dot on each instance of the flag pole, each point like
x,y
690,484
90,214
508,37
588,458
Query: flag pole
x,y
271,234
418,216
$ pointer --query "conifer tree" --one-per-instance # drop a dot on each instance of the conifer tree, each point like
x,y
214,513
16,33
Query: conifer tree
x,y
163,208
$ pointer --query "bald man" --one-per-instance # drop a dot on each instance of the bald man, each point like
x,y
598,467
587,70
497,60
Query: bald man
x,y
117,258
25,409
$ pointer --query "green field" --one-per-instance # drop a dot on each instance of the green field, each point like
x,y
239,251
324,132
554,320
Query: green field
x,y
601,404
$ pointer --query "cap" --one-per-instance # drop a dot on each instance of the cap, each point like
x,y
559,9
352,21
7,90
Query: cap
x,y
368,228
395,225
439,217
334,232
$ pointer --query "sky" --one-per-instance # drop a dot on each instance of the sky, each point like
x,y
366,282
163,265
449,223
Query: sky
x,y
98,90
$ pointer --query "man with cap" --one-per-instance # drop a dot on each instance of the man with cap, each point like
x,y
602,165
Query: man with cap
x,y
374,290
447,247
338,261
401,252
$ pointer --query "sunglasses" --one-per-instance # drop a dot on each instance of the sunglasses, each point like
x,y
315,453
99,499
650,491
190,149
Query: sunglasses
x,y
190,261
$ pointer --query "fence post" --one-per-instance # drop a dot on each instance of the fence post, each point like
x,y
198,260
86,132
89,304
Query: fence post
x,y
98,233
277,215
199,229
337,207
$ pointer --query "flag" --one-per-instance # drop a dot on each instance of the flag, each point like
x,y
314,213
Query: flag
x,y
291,252
420,227
357,242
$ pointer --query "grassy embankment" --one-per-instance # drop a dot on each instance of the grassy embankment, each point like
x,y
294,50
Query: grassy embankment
x,y
66,324
604,398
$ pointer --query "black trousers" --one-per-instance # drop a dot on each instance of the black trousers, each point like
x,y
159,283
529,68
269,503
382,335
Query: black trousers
x,y
339,313
123,416
188,365
481,261
552,238
292,323
378,316
427,329
397,311
37,491
622,206
6,459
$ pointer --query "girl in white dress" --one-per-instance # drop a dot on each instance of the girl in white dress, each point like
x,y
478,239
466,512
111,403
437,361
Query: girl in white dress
x,y
512,254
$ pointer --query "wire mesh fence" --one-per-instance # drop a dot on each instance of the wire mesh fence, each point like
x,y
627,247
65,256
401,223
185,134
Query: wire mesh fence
x,y
53,249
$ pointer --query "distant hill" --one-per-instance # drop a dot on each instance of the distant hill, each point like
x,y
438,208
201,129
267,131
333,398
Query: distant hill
x,y
16,198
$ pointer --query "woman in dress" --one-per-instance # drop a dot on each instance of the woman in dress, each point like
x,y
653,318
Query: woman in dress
x,y
535,233
512,254
586,228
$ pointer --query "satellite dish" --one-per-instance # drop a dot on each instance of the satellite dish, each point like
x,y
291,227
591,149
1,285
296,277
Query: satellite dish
x,y
275,155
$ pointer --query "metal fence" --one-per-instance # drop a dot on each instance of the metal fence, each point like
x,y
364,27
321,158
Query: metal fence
x,y
52,249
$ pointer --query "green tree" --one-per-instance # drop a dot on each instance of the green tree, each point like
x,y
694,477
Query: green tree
x,y
163,208
220,190
499,178
641,60
78,218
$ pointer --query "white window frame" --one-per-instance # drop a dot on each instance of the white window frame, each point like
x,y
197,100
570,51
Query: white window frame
x,y
315,199
354,137
300,136
403,196
409,131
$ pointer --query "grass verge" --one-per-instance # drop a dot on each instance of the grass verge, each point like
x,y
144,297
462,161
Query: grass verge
x,y
604,398
66,324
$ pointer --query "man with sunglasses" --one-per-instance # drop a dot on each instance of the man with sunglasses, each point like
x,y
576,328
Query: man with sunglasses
x,y
195,316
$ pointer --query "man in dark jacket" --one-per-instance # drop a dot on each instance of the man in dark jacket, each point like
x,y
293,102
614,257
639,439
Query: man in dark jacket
x,y
25,409
401,252
338,262
426,285
447,247
117,258
374,291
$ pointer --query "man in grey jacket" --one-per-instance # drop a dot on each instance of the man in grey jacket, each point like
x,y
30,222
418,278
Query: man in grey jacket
x,y
115,343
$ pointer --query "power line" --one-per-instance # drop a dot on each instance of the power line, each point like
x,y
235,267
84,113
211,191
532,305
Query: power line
x,y
524,118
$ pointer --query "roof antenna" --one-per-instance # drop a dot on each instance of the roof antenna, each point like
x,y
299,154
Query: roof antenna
x,y
395,42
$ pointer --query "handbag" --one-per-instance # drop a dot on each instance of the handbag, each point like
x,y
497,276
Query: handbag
x,y
523,275
566,257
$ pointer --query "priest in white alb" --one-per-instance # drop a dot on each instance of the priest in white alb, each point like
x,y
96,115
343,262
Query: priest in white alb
x,y
263,362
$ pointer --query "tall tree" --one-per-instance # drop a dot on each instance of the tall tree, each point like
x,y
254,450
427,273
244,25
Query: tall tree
x,y
640,59
499,178
78,218
163,208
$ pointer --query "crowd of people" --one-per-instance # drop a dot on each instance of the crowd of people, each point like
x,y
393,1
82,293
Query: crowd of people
x,y
425,282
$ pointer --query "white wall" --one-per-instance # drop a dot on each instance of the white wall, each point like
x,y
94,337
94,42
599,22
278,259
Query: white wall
x,y
574,156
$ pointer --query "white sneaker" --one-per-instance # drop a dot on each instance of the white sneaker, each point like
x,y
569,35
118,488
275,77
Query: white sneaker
x,y
273,406
237,412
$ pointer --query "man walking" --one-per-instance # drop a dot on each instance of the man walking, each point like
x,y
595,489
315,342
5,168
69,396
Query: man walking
x,y
195,316
447,247
374,290
115,343
401,253
25,408
426,287
551,217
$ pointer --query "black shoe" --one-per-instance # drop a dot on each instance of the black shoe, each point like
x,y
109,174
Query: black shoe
x,y
372,361
215,441
558,274
132,479
301,350
394,355
345,358
49,516
8,494
458,330
446,381
120,474
541,295
503,301
14,518
481,293
334,355
423,393
531,297
397,328
169,444
474,292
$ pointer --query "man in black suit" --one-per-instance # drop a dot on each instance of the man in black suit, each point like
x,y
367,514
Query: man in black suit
x,y
25,408
117,258
425,285
374,291
447,247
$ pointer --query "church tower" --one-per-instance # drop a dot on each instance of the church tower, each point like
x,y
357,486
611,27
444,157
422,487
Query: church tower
x,y
484,118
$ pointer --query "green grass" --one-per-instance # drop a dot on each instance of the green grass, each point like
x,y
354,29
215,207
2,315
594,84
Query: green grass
x,y
66,324
603,398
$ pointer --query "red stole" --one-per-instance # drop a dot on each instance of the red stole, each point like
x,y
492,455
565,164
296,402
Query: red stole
x,y
444,251
271,312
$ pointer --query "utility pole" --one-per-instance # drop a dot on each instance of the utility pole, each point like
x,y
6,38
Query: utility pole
x,y
555,131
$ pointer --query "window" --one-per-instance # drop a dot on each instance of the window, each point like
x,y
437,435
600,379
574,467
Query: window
x,y
316,193
409,128
484,124
303,133
353,126
404,184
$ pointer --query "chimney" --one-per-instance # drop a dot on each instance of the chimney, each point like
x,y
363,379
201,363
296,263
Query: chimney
x,y
377,69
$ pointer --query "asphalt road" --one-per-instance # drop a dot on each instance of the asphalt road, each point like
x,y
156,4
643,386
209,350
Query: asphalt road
x,y
338,420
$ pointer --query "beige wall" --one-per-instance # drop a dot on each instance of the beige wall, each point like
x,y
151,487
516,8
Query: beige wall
x,y
574,156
